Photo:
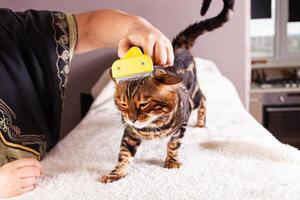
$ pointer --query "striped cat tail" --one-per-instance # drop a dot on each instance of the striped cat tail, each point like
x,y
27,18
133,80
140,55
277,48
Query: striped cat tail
x,y
187,37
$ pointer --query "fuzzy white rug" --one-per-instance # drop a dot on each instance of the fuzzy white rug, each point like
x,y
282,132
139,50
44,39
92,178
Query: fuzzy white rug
x,y
233,158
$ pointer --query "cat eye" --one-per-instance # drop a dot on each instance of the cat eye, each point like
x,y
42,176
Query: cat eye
x,y
157,107
143,105
123,105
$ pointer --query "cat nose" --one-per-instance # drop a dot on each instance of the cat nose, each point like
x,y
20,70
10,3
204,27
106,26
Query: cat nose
x,y
134,119
133,116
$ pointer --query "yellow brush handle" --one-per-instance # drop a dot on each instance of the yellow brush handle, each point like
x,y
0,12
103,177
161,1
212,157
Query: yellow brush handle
x,y
133,52
133,63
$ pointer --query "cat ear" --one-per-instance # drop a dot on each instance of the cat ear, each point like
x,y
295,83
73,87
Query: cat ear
x,y
166,78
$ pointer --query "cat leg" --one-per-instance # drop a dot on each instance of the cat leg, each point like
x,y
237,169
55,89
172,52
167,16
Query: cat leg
x,y
202,113
128,149
172,150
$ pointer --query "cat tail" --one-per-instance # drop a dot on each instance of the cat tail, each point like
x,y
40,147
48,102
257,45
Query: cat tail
x,y
187,37
205,6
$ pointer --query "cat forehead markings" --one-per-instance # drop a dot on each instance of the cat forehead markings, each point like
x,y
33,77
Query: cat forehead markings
x,y
132,89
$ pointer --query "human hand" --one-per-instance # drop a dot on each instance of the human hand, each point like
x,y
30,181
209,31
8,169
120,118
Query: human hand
x,y
19,177
154,44
112,28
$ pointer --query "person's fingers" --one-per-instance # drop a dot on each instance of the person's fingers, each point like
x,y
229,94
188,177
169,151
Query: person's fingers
x,y
30,181
24,190
148,45
170,53
25,162
29,172
160,54
155,45
126,44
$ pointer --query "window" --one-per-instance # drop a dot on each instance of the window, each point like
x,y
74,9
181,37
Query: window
x,y
293,31
262,28
293,27
275,30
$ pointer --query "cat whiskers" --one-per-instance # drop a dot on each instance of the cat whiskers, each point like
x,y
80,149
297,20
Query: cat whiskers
x,y
116,123
124,123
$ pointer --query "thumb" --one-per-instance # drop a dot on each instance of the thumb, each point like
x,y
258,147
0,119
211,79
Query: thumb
x,y
124,46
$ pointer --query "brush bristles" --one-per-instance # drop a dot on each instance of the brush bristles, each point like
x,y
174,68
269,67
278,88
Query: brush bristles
x,y
133,77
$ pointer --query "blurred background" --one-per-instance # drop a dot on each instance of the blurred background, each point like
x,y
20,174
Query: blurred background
x,y
275,71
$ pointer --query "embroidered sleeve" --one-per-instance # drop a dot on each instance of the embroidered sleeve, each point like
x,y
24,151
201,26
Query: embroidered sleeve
x,y
65,34
73,34
36,48
14,144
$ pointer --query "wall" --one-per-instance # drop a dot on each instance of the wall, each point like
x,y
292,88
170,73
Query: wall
x,y
227,47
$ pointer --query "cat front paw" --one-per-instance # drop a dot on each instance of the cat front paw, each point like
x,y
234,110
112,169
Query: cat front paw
x,y
110,178
172,164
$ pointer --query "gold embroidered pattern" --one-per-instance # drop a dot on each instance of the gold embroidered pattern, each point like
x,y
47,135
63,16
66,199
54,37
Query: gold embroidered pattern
x,y
17,147
10,151
73,35
65,37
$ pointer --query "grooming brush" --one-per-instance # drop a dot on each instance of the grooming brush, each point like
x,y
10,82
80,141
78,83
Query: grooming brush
x,y
134,65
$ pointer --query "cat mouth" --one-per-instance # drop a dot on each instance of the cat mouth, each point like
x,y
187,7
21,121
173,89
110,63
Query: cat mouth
x,y
140,125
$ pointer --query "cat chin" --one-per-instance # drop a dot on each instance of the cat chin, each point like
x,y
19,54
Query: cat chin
x,y
140,125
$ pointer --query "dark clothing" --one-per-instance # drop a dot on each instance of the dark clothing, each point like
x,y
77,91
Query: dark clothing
x,y
35,52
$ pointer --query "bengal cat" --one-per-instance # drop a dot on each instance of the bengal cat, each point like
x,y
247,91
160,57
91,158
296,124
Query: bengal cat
x,y
160,106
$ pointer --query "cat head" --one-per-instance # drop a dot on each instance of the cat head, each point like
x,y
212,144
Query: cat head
x,y
148,101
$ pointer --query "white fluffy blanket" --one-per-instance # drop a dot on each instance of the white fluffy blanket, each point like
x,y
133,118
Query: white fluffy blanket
x,y
233,158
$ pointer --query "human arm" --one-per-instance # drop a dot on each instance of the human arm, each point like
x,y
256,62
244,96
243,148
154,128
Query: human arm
x,y
114,28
